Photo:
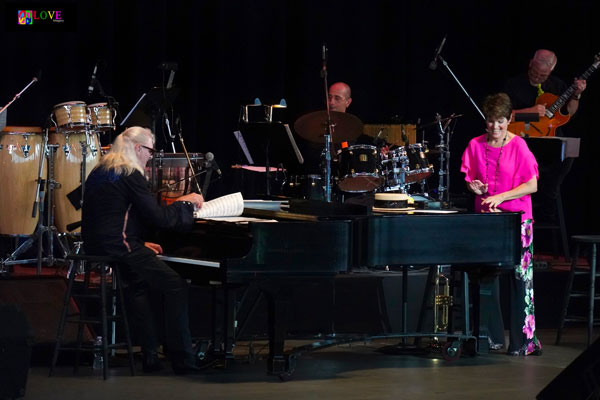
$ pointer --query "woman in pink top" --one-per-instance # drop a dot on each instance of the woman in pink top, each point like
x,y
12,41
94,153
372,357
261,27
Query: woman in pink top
x,y
503,173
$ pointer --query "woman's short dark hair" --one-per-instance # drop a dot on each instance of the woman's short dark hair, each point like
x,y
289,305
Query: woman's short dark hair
x,y
496,106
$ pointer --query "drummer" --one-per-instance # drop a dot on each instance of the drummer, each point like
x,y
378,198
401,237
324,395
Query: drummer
x,y
340,97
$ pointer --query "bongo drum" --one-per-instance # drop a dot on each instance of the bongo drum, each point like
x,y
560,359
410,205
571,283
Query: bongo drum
x,y
69,116
102,117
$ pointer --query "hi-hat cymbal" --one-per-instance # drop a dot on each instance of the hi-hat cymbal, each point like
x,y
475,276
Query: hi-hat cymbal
x,y
313,126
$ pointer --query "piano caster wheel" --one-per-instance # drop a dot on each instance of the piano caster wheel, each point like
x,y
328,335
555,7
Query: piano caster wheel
x,y
451,350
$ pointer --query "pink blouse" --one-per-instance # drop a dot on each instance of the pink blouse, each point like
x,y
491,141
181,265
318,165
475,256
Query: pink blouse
x,y
517,165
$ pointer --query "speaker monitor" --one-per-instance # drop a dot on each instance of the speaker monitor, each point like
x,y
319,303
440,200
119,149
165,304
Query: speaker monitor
x,y
580,380
15,351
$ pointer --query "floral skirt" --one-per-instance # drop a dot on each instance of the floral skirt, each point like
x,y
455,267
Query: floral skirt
x,y
522,303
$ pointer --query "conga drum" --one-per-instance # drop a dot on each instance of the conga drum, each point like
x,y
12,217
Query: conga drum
x,y
21,149
68,159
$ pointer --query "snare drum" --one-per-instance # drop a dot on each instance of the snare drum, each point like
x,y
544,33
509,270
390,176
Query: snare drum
x,y
69,116
20,151
102,117
359,169
419,167
68,160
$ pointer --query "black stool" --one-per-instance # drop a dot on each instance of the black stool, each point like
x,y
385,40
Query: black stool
x,y
592,240
87,264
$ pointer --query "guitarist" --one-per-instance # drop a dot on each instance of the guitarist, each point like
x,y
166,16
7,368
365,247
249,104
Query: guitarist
x,y
523,91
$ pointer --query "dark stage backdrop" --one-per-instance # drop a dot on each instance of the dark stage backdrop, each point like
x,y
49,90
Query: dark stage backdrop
x,y
230,52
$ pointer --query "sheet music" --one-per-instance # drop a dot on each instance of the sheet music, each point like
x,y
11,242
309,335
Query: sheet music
x,y
241,220
231,205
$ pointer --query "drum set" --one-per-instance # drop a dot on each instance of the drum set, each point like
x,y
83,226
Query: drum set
x,y
49,165
360,168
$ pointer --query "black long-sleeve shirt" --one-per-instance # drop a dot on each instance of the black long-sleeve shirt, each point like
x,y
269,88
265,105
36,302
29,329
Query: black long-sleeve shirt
x,y
119,209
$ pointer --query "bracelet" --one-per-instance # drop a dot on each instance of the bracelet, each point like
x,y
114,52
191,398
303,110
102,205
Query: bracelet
x,y
576,97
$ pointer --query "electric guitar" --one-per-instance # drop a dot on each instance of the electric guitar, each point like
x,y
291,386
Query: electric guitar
x,y
554,118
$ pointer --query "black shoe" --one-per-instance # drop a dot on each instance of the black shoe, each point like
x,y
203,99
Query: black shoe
x,y
151,362
190,364
536,352
494,346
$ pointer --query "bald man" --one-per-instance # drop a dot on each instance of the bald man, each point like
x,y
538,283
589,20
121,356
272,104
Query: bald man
x,y
340,97
525,88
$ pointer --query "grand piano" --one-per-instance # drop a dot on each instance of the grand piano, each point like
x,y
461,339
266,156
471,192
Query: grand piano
x,y
291,248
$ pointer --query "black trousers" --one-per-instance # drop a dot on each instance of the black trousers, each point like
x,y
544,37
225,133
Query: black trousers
x,y
144,272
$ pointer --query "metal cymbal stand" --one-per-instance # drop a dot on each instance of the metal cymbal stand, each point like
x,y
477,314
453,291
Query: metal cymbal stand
x,y
329,133
445,132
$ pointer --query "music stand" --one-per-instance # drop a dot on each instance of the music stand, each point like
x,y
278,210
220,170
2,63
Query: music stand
x,y
271,142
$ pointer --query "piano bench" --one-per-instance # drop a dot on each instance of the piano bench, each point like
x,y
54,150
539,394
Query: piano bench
x,y
106,267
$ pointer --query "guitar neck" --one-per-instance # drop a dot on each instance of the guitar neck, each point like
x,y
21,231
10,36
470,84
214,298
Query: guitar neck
x,y
563,98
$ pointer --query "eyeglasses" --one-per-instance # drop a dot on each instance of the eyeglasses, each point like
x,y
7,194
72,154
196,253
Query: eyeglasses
x,y
150,149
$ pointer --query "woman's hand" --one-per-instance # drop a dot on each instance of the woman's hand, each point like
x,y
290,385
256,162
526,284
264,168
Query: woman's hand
x,y
196,199
491,203
477,187
155,247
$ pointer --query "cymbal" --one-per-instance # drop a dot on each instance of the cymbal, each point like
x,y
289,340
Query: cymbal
x,y
443,120
313,126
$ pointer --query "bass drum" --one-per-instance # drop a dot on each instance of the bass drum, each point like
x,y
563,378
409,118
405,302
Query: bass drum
x,y
68,160
20,151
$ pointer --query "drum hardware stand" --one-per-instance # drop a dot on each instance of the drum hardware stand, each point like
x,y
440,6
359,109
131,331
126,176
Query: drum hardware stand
x,y
48,229
330,128
445,132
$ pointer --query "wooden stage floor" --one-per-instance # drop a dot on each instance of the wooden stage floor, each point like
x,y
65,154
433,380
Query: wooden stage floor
x,y
356,371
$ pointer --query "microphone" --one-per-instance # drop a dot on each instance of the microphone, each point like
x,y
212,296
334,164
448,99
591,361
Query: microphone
x,y
211,163
93,79
433,63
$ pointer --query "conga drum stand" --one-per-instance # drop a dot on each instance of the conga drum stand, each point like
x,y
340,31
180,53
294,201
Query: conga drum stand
x,y
42,229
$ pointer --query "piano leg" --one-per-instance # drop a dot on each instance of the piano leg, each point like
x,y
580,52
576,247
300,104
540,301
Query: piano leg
x,y
223,325
484,309
278,310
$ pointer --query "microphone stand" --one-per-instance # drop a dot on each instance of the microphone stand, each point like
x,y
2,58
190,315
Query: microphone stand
x,y
187,157
33,80
461,86
329,132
